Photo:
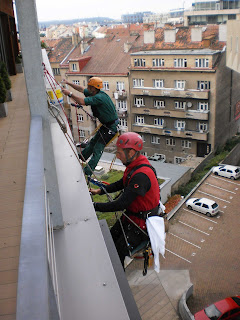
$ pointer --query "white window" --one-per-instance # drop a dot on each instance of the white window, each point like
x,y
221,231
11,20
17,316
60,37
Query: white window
x,y
159,103
179,124
74,67
155,139
170,142
139,120
80,118
179,84
139,63
186,144
56,71
201,63
202,126
202,106
203,85
158,62
105,85
159,122
139,102
138,83
143,137
121,105
82,133
76,82
123,122
180,63
158,83
120,86
178,160
180,105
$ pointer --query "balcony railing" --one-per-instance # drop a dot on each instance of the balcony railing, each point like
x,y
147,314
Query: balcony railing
x,y
163,112
120,94
172,132
171,92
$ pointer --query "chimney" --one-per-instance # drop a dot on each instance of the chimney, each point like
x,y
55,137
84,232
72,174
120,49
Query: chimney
x,y
196,34
222,32
127,47
75,39
149,36
169,35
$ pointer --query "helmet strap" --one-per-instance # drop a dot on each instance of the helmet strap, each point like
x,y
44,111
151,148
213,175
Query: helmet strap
x,y
129,160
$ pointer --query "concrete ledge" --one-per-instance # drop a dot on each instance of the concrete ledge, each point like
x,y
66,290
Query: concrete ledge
x,y
184,312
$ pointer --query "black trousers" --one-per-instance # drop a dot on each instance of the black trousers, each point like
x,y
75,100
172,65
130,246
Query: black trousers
x,y
133,234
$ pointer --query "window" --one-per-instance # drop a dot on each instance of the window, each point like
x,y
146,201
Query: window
x,y
76,82
84,83
105,85
139,102
74,67
178,160
82,133
155,139
180,63
143,137
139,120
79,117
123,122
180,105
179,84
158,62
203,85
158,83
179,124
159,103
120,85
159,122
186,144
121,105
138,83
202,106
170,142
201,63
56,71
202,126
139,62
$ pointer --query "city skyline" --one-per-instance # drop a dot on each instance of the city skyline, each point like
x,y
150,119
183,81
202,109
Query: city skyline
x,y
58,10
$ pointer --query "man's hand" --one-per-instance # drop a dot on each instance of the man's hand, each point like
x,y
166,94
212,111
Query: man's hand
x,y
65,91
94,191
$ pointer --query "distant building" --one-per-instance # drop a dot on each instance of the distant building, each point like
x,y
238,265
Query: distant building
x,y
212,12
134,17
181,92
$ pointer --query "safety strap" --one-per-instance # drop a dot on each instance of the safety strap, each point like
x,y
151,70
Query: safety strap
x,y
138,167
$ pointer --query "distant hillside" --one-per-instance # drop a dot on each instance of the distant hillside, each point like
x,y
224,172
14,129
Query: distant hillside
x,y
100,20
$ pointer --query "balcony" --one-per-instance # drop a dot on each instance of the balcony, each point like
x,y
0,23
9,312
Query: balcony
x,y
170,132
122,113
162,112
120,95
171,92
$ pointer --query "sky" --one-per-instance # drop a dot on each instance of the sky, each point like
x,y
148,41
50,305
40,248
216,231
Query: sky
x,y
77,9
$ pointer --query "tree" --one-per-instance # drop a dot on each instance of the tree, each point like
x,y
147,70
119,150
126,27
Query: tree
x,y
5,76
3,91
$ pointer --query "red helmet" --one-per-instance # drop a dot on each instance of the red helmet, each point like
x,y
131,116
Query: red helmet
x,y
130,140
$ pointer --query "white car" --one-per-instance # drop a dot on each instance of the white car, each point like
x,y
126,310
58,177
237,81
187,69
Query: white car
x,y
203,205
227,171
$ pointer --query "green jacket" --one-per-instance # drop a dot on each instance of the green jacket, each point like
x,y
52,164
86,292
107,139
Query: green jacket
x,y
102,106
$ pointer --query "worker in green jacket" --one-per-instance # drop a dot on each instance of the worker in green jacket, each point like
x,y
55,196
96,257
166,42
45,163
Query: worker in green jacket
x,y
104,110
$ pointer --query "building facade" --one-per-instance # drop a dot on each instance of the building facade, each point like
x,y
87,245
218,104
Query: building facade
x,y
212,12
181,99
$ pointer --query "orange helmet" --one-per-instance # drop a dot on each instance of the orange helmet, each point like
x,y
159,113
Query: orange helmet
x,y
130,140
95,82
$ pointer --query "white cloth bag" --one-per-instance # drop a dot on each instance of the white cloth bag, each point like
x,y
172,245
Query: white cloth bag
x,y
157,235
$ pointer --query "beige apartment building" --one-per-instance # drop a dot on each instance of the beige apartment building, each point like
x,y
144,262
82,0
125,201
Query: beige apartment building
x,y
182,97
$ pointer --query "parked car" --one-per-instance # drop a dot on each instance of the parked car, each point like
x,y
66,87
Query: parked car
x,y
228,308
203,205
227,171
155,157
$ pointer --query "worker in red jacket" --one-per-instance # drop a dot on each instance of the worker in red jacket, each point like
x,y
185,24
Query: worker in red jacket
x,y
139,198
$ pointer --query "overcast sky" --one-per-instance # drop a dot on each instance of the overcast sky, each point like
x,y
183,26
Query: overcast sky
x,y
75,9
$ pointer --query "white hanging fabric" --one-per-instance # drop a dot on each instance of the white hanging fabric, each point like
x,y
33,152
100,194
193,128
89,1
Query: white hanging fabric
x,y
157,235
